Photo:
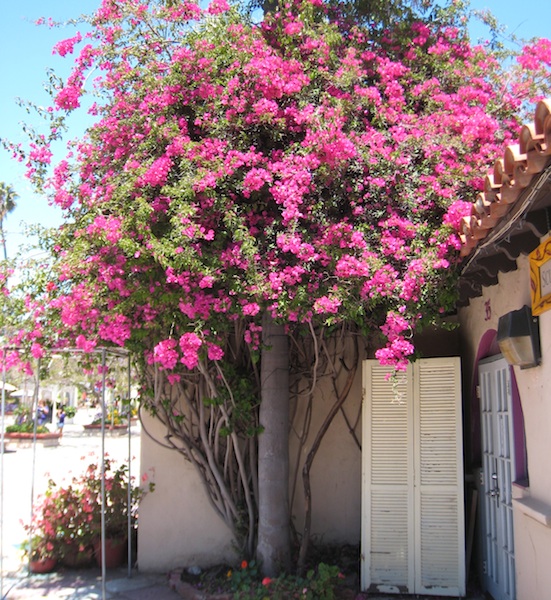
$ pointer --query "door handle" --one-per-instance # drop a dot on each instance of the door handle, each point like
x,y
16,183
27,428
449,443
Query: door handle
x,y
494,492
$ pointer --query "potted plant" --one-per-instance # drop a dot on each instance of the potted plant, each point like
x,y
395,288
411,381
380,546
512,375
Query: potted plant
x,y
64,512
41,548
70,515
69,512
41,551
24,422
116,511
70,411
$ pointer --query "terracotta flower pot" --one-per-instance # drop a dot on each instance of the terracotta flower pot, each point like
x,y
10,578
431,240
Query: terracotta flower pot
x,y
43,565
115,552
74,558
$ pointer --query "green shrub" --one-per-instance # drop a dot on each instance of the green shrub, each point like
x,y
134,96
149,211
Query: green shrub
x,y
26,427
246,583
70,411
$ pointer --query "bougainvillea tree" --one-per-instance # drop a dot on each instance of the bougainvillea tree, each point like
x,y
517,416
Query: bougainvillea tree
x,y
303,174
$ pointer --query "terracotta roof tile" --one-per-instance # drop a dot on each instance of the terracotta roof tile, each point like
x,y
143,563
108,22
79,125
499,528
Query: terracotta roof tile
x,y
510,176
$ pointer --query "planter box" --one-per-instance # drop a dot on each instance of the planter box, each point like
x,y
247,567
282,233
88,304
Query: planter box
x,y
25,440
112,429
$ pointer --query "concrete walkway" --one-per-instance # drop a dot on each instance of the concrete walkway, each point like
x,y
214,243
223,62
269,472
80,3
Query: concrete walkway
x,y
86,584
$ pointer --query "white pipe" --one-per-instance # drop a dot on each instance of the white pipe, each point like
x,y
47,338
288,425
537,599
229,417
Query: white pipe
x,y
103,567
2,449
129,498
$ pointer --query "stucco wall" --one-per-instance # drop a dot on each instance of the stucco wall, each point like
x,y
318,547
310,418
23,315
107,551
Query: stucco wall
x,y
533,556
336,470
178,527
532,535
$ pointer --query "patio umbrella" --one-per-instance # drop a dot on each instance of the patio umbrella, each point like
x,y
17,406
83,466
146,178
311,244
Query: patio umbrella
x,y
22,392
7,386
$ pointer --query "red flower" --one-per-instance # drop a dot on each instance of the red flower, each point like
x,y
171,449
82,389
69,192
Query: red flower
x,y
266,581
244,564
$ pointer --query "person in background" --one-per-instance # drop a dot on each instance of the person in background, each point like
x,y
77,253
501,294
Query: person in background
x,y
42,412
60,420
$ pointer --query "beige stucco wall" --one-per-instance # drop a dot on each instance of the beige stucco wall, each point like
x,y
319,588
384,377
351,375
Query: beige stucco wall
x,y
178,527
532,535
336,470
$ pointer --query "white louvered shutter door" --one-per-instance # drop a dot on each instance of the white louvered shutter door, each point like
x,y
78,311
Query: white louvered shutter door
x,y
388,483
413,515
439,511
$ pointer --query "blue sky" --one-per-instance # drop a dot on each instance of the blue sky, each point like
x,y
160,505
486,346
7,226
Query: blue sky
x,y
26,54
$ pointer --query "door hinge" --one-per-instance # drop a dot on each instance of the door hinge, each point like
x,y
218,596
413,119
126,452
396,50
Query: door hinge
x,y
484,568
478,392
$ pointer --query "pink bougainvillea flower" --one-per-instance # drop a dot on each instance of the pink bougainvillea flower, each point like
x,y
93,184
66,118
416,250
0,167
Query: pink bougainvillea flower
x,y
66,46
304,167
165,353
190,343
37,350
83,344
214,352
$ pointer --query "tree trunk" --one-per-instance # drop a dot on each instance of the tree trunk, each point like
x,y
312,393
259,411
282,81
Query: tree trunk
x,y
3,237
274,542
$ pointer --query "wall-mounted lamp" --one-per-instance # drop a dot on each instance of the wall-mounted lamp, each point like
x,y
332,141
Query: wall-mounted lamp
x,y
518,337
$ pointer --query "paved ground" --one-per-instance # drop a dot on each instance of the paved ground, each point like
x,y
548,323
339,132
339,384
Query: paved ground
x,y
24,476
87,585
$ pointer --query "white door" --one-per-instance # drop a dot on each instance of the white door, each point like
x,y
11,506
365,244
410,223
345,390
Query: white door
x,y
387,499
412,506
497,469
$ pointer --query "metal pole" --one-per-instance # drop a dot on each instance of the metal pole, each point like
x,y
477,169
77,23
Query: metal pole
x,y
129,499
103,567
2,449
35,426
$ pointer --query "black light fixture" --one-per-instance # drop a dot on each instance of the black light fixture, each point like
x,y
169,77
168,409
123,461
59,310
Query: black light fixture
x,y
518,337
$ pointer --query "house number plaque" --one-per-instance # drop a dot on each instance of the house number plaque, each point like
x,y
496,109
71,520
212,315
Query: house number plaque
x,y
540,278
